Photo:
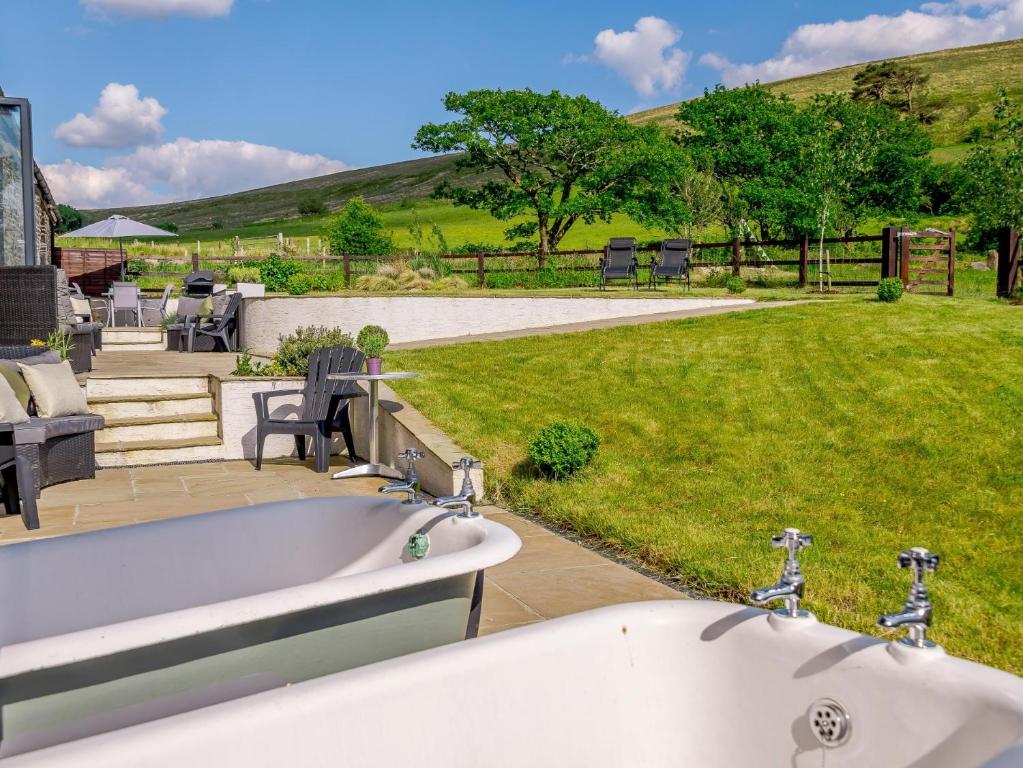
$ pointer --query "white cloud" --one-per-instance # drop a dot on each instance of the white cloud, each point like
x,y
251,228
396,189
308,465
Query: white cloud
x,y
182,170
936,25
85,186
120,119
159,8
644,56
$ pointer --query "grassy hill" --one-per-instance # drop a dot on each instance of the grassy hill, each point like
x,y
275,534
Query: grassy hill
x,y
963,80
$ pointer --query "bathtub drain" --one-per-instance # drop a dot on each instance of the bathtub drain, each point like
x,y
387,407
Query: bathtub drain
x,y
418,545
829,722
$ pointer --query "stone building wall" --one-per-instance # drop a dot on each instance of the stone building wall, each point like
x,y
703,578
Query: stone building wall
x,y
44,227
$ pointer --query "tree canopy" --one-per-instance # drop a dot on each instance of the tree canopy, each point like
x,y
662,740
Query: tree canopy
x,y
357,228
559,159
70,218
892,84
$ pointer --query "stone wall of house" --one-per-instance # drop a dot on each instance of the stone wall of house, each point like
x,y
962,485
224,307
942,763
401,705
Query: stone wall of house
x,y
44,230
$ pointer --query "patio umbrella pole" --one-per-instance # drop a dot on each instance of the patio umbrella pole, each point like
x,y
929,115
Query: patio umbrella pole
x,y
120,245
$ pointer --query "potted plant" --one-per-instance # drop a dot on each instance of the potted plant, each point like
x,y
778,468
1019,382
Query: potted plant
x,y
372,340
247,281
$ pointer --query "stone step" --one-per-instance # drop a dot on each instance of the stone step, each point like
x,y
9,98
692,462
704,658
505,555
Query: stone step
x,y
118,336
141,429
170,451
134,346
104,386
136,406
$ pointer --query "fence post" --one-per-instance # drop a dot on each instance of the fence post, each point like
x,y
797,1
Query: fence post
x,y
347,261
195,261
1008,261
481,269
952,262
889,253
804,258
736,256
903,240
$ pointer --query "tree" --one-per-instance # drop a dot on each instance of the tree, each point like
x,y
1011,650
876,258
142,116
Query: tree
x,y
860,161
357,228
70,218
991,188
560,159
311,205
891,84
750,140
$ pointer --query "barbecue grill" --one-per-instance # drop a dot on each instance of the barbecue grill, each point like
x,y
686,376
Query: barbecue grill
x,y
199,284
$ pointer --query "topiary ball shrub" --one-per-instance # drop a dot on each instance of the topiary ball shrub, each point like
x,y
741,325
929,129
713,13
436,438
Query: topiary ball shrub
x,y
562,448
735,284
889,290
300,284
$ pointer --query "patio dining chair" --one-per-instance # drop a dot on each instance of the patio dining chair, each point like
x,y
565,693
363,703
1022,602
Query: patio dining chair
x,y
672,262
155,309
619,262
221,327
125,298
324,406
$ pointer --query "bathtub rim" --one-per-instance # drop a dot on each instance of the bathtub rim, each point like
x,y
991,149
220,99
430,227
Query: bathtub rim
x,y
419,669
498,544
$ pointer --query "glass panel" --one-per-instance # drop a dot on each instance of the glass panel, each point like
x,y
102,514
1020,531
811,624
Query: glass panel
x,y
12,201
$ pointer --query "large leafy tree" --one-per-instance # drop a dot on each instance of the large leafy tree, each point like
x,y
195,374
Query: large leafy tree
x,y
892,84
750,139
558,159
991,178
70,218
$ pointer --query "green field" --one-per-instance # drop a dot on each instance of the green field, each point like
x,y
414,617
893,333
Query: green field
x,y
874,427
964,79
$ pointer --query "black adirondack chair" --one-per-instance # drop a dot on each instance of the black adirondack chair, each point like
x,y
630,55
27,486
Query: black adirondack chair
x,y
619,262
324,407
219,327
672,262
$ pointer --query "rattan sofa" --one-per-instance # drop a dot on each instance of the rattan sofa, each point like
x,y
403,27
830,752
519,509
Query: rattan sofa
x,y
58,449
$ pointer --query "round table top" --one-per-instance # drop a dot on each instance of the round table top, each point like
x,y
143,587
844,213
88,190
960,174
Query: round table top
x,y
363,376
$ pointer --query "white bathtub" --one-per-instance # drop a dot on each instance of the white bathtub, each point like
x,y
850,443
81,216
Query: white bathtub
x,y
678,683
109,628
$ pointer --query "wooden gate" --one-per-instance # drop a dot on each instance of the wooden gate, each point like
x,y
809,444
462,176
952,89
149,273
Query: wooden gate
x,y
1008,262
927,261
94,269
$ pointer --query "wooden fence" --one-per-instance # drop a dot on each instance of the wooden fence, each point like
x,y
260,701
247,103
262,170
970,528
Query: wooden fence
x,y
1008,262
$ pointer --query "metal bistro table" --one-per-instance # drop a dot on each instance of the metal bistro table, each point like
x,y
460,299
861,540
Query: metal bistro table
x,y
374,467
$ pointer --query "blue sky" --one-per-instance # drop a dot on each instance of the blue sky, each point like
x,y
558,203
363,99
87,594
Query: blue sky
x,y
229,94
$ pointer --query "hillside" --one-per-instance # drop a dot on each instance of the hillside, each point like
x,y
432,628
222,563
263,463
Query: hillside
x,y
963,81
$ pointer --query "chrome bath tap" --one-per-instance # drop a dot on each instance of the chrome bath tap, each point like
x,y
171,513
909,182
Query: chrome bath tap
x,y
410,485
790,587
465,498
916,613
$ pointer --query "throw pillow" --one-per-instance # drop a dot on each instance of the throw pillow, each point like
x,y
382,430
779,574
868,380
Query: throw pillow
x,y
11,410
55,389
17,385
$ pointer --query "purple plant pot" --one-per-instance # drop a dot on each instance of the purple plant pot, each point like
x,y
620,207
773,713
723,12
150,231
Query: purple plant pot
x,y
373,365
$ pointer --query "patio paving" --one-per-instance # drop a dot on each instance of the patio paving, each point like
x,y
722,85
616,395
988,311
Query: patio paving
x,y
550,576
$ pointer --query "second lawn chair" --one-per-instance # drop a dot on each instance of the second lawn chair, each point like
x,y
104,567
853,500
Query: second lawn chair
x,y
672,262
619,262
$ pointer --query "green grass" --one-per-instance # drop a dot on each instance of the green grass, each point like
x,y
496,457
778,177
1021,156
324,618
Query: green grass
x,y
874,427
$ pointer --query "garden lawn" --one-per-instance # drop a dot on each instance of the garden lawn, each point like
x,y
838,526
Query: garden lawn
x,y
874,427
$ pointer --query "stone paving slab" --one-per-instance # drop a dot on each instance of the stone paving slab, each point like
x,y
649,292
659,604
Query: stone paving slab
x,y
551,576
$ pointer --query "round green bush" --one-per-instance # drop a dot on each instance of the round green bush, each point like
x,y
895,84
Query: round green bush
x,y
889,289
300,284
735,284
372,340
562,448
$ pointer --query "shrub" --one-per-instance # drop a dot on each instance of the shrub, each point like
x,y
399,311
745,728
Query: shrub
x,y
293,350
735,284
243,275
372,340
311,205
889,290
300,284
357,228
244,365
275,271
562,448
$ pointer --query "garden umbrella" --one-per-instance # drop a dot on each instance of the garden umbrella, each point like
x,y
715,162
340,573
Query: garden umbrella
x,y
119,227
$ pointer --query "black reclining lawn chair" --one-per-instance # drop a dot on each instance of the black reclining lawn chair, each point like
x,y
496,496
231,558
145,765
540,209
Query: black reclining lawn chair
x,y
221,328
324,406
619,262
673,261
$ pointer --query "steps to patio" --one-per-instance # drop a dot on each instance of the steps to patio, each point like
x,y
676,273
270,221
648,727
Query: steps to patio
x,y
131,339
154,420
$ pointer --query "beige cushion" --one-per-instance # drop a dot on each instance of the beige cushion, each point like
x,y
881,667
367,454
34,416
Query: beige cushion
x,y
16,383
11,411
55,390
81,308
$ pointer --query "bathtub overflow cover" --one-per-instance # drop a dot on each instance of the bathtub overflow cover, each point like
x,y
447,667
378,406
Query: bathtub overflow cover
x,y
829,722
